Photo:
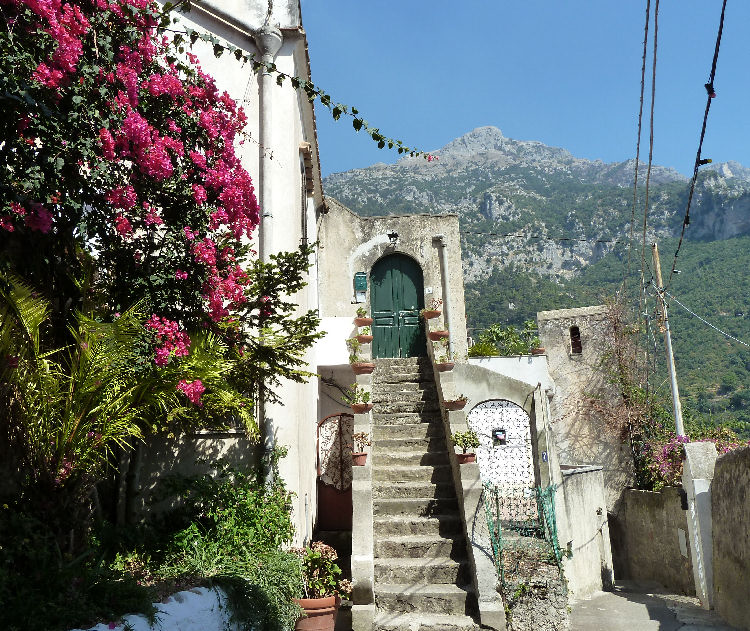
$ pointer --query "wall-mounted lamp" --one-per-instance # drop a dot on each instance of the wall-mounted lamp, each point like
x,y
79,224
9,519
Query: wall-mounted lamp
x,y
393,237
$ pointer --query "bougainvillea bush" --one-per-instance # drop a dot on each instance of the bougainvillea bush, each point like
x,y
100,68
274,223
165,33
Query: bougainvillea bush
x,y
122,182
131,300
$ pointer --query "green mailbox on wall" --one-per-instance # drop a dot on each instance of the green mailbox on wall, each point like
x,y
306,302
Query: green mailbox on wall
x,y
360,287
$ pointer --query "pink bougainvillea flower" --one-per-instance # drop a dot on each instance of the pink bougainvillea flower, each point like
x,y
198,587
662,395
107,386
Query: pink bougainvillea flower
x,y
192,390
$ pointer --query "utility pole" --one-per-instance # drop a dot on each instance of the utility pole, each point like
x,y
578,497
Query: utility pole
x,y
668,343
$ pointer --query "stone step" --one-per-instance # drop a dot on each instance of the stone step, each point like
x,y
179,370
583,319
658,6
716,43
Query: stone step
x,y
438,526
404,386
395,621
408,458
405,418
427,598
414,507
436,474
419,570
403,361
400,376
410,396
424,444
399,407
420,546
408,430
391,490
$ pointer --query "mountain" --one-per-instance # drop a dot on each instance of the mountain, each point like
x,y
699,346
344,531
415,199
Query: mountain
x,y
500,185
543,229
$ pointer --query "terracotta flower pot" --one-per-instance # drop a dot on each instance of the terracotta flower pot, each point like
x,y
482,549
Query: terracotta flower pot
x,y
363,368
359,459
364,339
429,314
320,613
457,404
464,458
445,366
361,408
438,335
538,351
363,321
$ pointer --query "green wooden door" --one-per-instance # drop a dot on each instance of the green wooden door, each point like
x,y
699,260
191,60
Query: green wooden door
x,y
396,296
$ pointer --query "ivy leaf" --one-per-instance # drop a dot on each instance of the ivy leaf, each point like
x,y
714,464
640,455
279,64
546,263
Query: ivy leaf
x,y
280,79
336,113
357,123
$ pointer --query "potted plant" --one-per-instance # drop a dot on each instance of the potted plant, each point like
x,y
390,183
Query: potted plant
x,y
438,335
444,358
323,587
361,440
358,398
434,309
359,366
456,404
466,440
365,335
362,319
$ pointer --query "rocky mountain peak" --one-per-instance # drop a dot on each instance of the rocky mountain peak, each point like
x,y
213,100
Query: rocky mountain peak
x,y
478,140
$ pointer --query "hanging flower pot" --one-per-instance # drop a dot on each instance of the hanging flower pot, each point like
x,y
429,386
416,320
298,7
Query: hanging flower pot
x,y
429,314
456,404
362,368
361,408
320,613
363,321
445,366
359,459
538,351
465,458
364,339
438,335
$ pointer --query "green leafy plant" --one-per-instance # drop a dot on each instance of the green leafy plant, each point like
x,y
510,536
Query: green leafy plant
x,y
321,576
356,394
361,440
353,345
466,440
361,312
443,354
365,330
507,340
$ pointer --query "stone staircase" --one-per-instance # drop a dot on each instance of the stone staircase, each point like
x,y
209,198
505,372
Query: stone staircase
x,y
422,579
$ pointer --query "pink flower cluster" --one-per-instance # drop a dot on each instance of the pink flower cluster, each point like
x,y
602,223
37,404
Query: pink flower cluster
x,y
170,340
192,389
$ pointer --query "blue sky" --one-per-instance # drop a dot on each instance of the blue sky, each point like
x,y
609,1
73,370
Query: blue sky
x,y
564,72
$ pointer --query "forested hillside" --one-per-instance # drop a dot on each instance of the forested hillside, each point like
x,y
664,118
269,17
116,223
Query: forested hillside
x,y
545,230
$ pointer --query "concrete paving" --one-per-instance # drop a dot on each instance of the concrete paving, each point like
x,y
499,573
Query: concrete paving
x,y
640,606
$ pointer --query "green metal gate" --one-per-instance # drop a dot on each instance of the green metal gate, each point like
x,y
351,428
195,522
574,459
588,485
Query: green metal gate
x,y
396,296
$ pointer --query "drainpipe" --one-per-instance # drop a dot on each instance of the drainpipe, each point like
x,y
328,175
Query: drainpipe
x,y
268,39
444,283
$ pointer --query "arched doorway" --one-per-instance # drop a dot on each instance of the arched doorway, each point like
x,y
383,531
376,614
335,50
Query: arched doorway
x,y
396,297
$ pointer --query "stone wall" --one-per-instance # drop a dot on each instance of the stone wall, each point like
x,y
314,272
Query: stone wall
x,y
730,503
583,433
654,539
586,532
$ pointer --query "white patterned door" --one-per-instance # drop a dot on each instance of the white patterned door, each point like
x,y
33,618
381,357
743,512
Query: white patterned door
x,y
509,466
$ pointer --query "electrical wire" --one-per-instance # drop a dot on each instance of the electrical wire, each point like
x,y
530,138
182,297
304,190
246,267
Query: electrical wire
x,y
650,156
638,142
713,326
710,96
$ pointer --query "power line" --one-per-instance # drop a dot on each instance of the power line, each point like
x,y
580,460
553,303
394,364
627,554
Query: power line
x,y
638,141
713,326
698,161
